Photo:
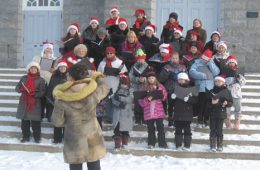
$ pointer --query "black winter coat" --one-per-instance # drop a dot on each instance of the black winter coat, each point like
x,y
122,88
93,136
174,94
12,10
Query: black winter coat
x,y
149,45
183,111
117,38
210,46
217,110
178,46
89,35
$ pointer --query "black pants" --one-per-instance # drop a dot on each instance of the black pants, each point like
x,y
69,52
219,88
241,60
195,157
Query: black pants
x,y
91,166
203,114
58,134
49,109
216,127
182,126
138,111
43,106
170,106
151,132
36,127
117,132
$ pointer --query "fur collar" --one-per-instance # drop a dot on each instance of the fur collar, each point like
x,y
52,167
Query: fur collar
x,y
76,90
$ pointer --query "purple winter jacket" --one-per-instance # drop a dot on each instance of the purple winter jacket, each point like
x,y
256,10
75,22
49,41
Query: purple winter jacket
x,y
154,109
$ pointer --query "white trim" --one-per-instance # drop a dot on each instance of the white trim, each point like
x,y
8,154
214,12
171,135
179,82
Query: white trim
x,y
42,8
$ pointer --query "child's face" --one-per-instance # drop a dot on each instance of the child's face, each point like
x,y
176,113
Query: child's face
x,y
215,37
177,35
72,31
181,81
193,49
33,70
172,20
221,49
148,33
140,61
94,25
131,38
151,79
122,26
63,69
124,86
231,65
163,54
219,83
175,59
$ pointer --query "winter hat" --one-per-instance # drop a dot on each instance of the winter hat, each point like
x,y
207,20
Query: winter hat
x,y
78,71
150,72
102,31
114,8
207,55
33,64
178,30
220,77
74,26
62,63
173,15
231,59
150,27
94,19
222,43
124,79
110,49
215,32
164,48
139,11
45,46
194,44
122,21
140,54
183,76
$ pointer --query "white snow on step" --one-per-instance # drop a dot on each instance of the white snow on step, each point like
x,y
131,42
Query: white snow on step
x,y
13,69
8,109
246,100
250,87
18,129
252,81
247,94
9,101
7,87
10,94
11,74
8,80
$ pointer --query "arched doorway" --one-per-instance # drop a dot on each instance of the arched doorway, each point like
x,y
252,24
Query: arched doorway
x,y
42,21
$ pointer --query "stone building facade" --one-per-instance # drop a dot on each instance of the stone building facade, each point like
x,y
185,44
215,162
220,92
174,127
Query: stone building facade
x,y
240,29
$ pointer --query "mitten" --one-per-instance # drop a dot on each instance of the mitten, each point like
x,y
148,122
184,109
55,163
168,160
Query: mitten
x,y
173,96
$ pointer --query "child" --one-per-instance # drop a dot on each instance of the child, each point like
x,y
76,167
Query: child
x,y
123,112
32,89
58,77
234,81
183,110
154,111
90,33
221,99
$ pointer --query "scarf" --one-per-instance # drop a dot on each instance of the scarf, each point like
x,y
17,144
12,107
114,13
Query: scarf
x,y
28,92
171,26
109,61
138,23
131,46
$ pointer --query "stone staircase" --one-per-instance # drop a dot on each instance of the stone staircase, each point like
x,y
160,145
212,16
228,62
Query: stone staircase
x,y
247,138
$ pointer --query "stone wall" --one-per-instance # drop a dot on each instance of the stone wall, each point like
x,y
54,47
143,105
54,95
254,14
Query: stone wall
x,y
10,33
241,33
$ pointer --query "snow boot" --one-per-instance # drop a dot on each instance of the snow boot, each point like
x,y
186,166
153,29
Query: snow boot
x,y
125,139
237,124
220,143
187,141
213,143
229,124
178,141
118,142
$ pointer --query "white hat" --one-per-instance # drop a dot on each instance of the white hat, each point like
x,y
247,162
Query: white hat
x,y
164,50
45,46
33,64
220,78
62,64
114,8
183,76
222,43
215,32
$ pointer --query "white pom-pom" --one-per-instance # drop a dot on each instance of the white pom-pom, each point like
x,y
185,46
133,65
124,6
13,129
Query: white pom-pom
x,y
91,60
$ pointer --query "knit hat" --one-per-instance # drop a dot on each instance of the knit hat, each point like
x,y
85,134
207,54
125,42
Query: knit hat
x,y
45,46
150,72
173,15
222,43
33,64
215,32
207,55
194,44
139,11
74,26
124,79
94,19
102,31
178,30
110,49
220,77
122,21
183,76
140,54
150,27
62,63
232,59
114,8
78,71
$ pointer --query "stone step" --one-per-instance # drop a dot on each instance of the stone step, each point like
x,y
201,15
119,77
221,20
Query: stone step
x,y
12,71
8,83
15,105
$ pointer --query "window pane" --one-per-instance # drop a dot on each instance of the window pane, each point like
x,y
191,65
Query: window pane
x,y
58,3
52,3
40,2
45,2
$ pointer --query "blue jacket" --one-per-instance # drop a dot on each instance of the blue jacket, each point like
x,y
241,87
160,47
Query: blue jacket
x,y
203,74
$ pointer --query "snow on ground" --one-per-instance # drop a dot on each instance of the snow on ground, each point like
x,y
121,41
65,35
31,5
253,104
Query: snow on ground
x,y
7,87
14,160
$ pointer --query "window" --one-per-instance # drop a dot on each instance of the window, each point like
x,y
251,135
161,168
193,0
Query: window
x,y
42,4
54,3
31,3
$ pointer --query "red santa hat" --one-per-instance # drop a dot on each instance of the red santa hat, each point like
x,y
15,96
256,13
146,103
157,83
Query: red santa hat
x,y
114,8
164,48
150,27
45,46
139,11
207,55
122,21
74,26
231,59
62,63
94,19
220,77
124,79
178,30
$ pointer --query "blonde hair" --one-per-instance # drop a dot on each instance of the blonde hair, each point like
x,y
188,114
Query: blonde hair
x,y
132,33
80,46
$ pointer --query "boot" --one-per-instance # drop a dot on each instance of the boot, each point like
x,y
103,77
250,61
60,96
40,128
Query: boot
x,y
178,141
24,139
125,139
170,121
187,142
118,142
228,124
237,124
213,142
220,143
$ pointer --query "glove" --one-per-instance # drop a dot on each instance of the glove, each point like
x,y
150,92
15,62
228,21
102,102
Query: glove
x,y
122,105
186,98
173,96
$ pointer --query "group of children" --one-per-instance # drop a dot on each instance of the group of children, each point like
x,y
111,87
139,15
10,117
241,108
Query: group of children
x,y
149,80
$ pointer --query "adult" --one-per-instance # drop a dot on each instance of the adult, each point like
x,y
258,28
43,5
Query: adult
x,y
75,109
213,43
197,27
140,23
113,21
90,33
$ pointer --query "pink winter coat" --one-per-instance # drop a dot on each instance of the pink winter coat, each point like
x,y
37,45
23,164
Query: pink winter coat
x,y
154,109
